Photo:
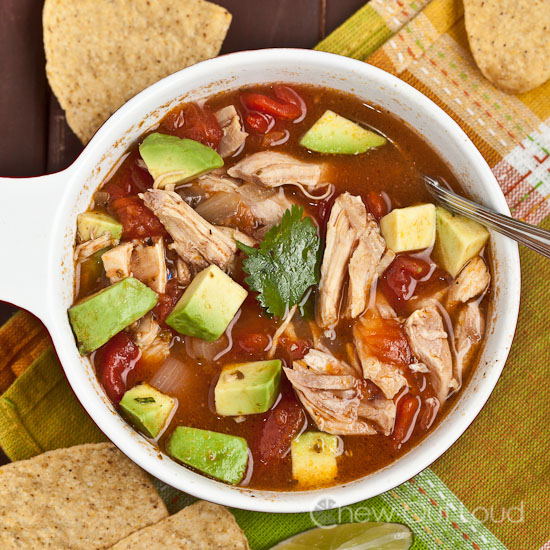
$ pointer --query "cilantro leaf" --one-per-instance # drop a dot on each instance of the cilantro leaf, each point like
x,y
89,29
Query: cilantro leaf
x,y
286,263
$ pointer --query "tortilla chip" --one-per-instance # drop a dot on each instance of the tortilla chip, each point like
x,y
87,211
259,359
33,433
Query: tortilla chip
x,y
100,53
84,497
510,41
202,525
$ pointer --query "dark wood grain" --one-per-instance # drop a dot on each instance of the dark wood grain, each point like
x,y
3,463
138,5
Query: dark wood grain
x,y
271,23
23,91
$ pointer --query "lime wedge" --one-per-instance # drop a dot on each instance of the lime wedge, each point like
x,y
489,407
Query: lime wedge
x,y
352,536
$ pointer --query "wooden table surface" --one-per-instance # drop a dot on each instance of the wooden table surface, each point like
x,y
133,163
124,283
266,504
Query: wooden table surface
x,y
34,137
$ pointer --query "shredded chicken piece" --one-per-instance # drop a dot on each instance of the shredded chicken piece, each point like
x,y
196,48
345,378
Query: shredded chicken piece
x,y
386,376
149,265
183,273
233,134
273,169
89,248
432,299
384,308
116,262
145,330
385,261
429,344
332,393
251,208
418,367
158,350
196,241
267,210
468,331
380,411
216,182
353,250
472,281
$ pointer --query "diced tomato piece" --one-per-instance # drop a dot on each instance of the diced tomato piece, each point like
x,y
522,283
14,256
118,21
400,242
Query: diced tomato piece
x,y
194,122
270,106
405,420
385,338
260,123
399,281
130,179
376,205
167,301
252,342
272,438
294,349
287,95
138,222
116,359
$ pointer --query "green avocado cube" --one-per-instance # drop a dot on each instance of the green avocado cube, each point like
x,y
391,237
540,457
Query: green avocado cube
x,y
179,160
147,409
333,133
221,456
97,318
208,305
247,388
314,458
458,239
94,224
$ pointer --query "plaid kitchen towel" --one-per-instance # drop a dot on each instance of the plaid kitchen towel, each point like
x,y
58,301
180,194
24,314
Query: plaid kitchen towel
x,y
499,468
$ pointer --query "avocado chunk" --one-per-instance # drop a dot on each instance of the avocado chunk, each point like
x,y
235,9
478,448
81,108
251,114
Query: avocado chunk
x,y
180,159
208,305
94,224
147,409
333,133
221,456
247,388
314,458
411,228
97,318
458,240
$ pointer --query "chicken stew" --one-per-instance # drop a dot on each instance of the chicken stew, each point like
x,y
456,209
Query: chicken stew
x,y
267,292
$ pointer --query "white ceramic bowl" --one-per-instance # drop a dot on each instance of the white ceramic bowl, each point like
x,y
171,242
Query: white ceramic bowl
x,y
38,222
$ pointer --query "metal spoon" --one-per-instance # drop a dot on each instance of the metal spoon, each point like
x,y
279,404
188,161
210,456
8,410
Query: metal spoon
x,y
533,237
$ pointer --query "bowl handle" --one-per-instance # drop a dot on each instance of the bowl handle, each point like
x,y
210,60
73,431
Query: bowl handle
x,y
29,208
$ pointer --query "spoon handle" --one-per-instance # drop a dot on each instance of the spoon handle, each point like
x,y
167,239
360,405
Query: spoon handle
x,y
533,237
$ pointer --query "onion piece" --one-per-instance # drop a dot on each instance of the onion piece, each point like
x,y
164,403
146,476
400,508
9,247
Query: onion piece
x,y
203,350
172,377
219,207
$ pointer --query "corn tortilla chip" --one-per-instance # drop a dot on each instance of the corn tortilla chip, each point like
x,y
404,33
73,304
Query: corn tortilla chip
x,y
510,41
100,53
84,497
202,525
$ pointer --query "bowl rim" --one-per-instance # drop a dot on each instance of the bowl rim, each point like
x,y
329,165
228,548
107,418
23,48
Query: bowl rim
x,y
296,501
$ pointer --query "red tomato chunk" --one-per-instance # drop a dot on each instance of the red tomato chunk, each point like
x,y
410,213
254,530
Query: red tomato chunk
x,y
376,204
386,339
193,122
138,222
273,436
252,342
116,359
399,280
407,412
131,179
167,301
